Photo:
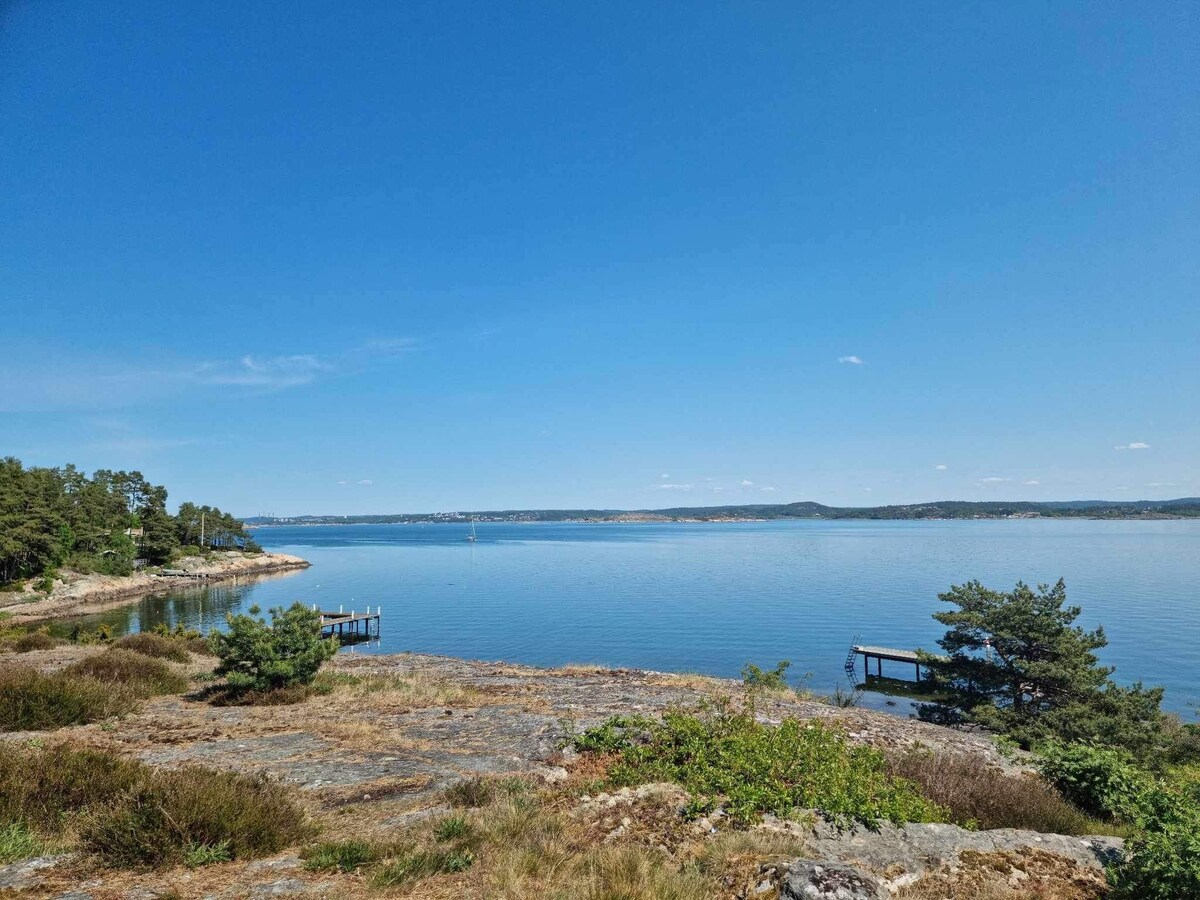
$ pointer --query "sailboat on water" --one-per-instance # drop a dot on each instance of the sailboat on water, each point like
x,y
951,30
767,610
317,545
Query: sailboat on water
x,y
471,537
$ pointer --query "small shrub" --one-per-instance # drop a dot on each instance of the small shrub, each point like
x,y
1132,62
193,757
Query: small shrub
x,y
197,855
262,657
978,795
35,640
452,828
1103,782
635,873
611,735
339,856
760,769
155,645
767,680
167,812
417,864
142,675
32,701
189,550
17,842
843,698
102,635
470,793
38,786
1162,859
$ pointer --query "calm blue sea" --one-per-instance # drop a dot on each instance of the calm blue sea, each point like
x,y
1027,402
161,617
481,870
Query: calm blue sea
x,y
709,598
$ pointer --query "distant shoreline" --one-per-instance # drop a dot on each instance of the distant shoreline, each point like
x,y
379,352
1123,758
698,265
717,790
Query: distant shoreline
x,y
79,594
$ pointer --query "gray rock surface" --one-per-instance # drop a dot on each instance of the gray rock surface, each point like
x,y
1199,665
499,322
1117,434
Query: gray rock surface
x,y
820,880
22,875
918,848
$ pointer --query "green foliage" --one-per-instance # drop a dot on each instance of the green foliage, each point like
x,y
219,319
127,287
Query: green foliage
x,y
1018,665
1162,860
33,701
339,856
262,657
760,769
43,788
1101,781
17,842
417,864
611,735
49,517
768,680
141,676
452,828
197,855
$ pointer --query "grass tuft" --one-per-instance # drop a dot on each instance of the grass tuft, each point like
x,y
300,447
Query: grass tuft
x,y
17,842
339,856
32,701
141,675
155,645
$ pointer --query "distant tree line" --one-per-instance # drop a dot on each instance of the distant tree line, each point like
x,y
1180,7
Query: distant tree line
x,y
52,517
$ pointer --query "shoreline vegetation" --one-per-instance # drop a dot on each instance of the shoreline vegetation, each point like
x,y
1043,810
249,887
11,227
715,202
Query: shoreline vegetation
x,y
80,594
1180,508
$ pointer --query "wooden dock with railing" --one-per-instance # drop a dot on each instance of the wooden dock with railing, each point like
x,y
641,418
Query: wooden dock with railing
x,y
353,624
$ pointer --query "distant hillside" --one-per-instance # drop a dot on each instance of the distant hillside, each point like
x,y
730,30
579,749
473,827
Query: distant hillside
x,y
1184,507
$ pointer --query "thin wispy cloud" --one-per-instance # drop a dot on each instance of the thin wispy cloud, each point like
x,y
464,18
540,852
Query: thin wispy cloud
x,y
1161,484
746,482
674,487
940,467
366,482
664,476
993,479
273,372
1032,482
852,360
769,489
1136,445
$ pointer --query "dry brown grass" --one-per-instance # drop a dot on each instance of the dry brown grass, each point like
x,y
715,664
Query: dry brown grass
x,y
1029,875
976,792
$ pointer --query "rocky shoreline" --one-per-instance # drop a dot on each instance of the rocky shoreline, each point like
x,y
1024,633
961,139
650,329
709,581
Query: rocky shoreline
x,y
77,594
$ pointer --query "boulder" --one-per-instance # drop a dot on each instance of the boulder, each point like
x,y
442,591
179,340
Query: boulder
x,y
819,880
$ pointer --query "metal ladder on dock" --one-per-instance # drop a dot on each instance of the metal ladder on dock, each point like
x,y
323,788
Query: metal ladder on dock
x,y
850,670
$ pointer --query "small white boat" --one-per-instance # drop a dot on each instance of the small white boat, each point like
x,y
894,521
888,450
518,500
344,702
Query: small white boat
x,y
471,537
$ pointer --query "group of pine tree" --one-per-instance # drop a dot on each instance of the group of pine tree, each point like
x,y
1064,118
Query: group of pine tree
x,y
60,517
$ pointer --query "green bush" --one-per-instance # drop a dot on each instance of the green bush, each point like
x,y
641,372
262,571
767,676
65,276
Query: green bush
x,y
418,864
141,675
42,787
17,842
262,657
769,679
32,701
1100,781
339,856
758,769
1162,860
155,645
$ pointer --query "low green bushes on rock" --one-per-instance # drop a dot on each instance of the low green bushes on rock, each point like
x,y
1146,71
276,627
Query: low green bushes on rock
x,y
1162,859
33,701
756,769
143,676
1101,781
34,640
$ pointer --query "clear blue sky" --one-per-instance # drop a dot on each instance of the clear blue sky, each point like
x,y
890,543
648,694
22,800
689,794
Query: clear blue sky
x,y
376,257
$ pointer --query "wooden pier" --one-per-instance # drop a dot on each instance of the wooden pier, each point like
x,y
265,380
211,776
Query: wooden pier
x,y
350,625
879,654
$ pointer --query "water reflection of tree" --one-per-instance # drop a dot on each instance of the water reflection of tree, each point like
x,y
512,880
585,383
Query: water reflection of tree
x,y
202,608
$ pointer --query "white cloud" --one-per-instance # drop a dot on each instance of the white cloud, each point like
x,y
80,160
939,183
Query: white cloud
x,y
366,482
852,360
867,490
993,479
1157,484
674,487
1032,481
664,475
769,489
1136,445
271,372
343,481
940,467
746,482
